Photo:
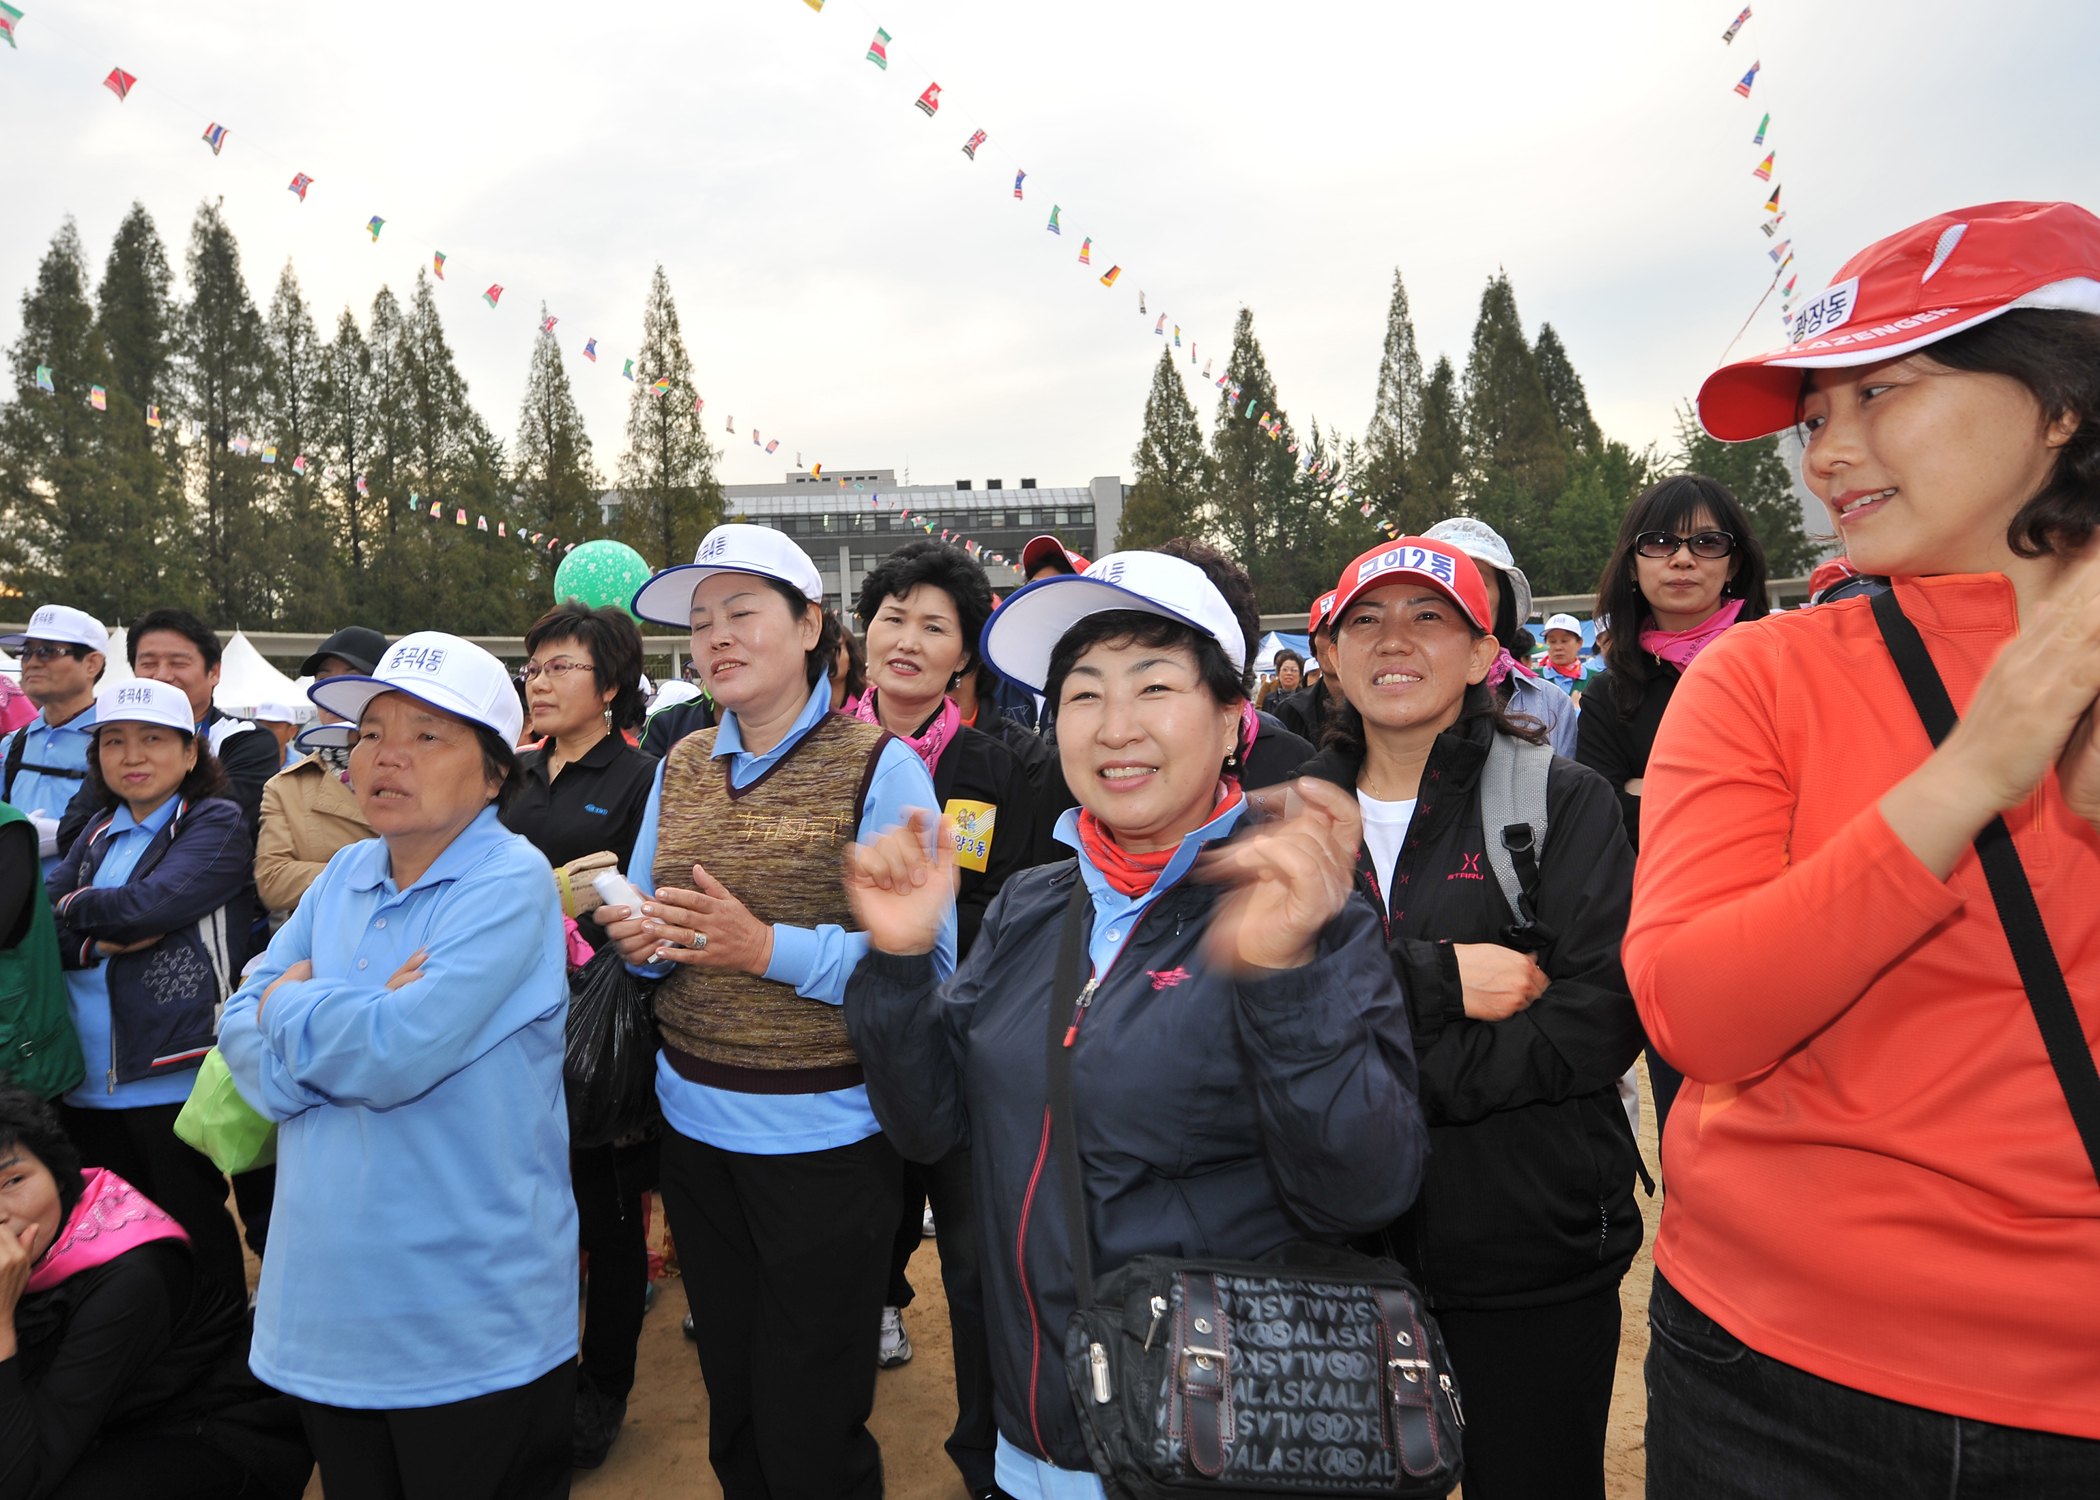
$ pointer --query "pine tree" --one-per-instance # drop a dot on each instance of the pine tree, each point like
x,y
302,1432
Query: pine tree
x,y
136,309
669,497
1436,468
343,437
222,366
1567,555
301,531
556,477
1253,473
146,535
1564,393
1756,474
1516,457
1396,418
1171,469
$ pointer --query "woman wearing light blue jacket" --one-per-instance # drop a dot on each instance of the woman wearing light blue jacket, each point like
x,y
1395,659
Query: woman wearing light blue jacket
x,y
405,1029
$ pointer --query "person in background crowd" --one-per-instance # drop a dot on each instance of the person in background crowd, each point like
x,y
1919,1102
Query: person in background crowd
x,y
1519,688
405,1031
1289,677
45,762
1686,567
1046,557
1564,667
580,803
777,1181
924,608
1876,1162
1523,1023
282,722
38,1047
152,905
849,669
1301,1074
123,1372
667,725
308,809
1307,712
987,707
16,709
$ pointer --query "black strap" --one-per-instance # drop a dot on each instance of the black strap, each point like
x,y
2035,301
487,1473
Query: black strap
x,y
16,747
1064,1002
2040,973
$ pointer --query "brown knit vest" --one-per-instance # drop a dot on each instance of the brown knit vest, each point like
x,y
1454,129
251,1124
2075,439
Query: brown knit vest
x,y
776,845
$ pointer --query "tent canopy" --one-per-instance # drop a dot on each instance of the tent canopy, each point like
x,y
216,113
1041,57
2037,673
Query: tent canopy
x,y
246,682
1275,641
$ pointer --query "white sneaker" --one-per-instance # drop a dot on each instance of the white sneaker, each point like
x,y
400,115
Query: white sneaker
x,y
926,1225
895,1348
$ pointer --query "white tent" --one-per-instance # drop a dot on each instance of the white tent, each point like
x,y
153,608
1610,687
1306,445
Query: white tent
x,y
116,662
246,682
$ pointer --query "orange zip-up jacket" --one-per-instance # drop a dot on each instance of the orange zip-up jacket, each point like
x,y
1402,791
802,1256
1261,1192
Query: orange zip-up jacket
x,y
1872,1174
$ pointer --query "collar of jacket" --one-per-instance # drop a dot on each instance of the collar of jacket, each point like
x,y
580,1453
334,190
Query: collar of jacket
x,y
1455,760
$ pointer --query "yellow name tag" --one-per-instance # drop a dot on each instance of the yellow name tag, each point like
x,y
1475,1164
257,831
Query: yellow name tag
x,y
972,822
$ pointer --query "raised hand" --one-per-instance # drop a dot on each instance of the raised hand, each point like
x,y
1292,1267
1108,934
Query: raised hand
x,y
1291,878
901,893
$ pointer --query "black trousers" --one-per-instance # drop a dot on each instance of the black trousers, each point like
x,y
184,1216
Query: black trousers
x,y
255,1194
173,1466
947,1184
785,1259
1728,1423
1536,1382
507,1445
610,1230
140,1146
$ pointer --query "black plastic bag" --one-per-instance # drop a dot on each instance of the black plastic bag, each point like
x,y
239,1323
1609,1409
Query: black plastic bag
x,y
608,1065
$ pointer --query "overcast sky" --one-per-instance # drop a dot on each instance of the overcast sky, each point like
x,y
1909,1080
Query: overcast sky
x,y
850,282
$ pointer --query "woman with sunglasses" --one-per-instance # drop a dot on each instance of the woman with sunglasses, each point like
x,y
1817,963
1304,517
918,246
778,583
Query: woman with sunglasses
x,y
1874,1273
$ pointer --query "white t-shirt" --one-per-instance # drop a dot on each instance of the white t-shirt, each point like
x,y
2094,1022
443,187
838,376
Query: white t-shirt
x,y
1385,829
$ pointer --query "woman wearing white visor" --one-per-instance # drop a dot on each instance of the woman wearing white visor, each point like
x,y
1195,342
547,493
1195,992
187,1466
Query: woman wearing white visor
x,y
1242,1074
778,1183
405,1030
1874,1272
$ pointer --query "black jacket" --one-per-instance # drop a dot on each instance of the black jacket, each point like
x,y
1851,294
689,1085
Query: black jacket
x,y
673,724
1216,1116
1529,1198
1617,749
1305,713
134,1347
596,803
974,767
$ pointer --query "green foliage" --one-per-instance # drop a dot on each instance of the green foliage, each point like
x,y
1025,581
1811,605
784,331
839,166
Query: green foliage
x,y
1564,393
669,497
222,371
1756,474
1570,550
556,477
1171,470
307,587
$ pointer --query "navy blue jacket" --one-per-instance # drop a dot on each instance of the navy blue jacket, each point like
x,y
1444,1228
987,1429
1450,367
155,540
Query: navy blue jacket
x,y
194,889
1217,1116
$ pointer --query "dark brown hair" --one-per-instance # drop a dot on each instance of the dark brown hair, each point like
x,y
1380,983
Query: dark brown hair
x,y
856,658
1621,607
615,646
28,1122
948,568
205,779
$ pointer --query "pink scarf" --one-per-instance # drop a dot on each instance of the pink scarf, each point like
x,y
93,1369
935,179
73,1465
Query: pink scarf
x,y
1681,647
928,746
111,1217
1503,665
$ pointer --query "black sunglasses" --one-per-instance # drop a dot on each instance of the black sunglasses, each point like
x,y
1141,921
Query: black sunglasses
x,y
1665,544
46,651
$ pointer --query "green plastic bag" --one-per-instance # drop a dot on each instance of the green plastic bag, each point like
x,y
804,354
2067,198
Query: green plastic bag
x,y
223,1125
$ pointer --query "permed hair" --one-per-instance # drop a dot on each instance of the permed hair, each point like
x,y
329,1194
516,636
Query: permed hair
x,y
30,1123
945,566
616,652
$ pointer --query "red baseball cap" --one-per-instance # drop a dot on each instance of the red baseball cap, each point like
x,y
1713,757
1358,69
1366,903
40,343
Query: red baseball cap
x,y
1042,547
1439,564
1913,289
1322,607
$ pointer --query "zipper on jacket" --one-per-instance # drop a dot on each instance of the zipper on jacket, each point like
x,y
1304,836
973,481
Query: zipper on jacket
x,y
1086,998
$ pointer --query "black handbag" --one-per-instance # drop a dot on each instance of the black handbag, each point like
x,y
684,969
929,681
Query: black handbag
x,y
1316,1371
2033,955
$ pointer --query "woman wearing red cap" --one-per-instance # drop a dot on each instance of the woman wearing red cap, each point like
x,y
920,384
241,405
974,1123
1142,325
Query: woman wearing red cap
x,y
1521,1020
1873,1274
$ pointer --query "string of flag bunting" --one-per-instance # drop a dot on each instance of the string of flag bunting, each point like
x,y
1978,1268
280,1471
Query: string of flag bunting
x,y
1766,170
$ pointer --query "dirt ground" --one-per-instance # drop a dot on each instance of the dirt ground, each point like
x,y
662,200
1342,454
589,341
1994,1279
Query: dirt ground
x,y
662,1451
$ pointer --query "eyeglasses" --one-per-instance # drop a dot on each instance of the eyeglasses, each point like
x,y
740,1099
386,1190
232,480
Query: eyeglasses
x,y
48,651
555,669
1708,544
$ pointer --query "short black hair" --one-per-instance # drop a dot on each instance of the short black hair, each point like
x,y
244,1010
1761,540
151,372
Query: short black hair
x,y
856,657
1284,655
499,762
615,646
948,568
183,623
821,657
29,1122
205,779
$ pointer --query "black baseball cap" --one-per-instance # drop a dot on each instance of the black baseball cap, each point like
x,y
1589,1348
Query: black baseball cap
x,y
359,645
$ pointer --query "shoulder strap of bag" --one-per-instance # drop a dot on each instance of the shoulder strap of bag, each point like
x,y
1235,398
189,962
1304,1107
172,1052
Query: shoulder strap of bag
x,y
1065,991
2040,973
17,743
1513,817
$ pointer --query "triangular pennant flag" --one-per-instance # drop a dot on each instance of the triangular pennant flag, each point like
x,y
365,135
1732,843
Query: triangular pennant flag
x,y
547,324
375,225
1113,273
1086,251
437,263
462,520
970,146
99,399
590,350
930,101
152,415
493,295
1749,78
43,380
878,50
300,183
1762,126
119,82
9,16
1772,203
1736,25
1019,178
1763,170
1052,225
481,523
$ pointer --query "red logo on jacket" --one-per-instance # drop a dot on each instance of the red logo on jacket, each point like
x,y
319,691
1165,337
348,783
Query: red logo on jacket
x,y
1470,870
1164,979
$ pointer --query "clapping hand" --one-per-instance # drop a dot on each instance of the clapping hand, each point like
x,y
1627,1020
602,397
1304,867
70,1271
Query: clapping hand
x,y
1290,879
703,928
901,892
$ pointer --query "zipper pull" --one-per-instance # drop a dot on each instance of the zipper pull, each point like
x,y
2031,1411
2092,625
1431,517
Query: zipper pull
x,y
1159,1310
1086,998
1458,1409
1098,1358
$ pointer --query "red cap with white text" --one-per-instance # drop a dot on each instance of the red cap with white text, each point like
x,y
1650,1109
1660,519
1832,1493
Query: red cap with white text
x,y
1449,571
1913,289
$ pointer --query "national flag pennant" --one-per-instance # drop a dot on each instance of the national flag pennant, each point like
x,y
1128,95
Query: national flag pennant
x,y
1771,226
1019,178
1206,363
1113,273
499,529
152,415
1086,251
374,225
269,453
1161,326
1763,170
754,439
462,520
590,350
547,324
1791,284
8,17
493,295
773,446
1141,303
1762,126
238,445
43,380
300,183
970,146
699,405
1052,225
1749,78
299,464
119,82
437,263
628,373
362,487
930,101
1736,25
878,50
481,523
215,137
1772,203
1779,250
1192,350
659,386
99,399
815,5
816,471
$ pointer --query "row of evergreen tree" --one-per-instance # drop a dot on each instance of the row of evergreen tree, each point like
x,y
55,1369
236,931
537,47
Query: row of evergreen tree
x,y
1510,440
101,511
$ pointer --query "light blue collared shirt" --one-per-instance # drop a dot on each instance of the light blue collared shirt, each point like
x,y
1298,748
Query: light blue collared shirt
x,y
87,990
423,1247
67,747
817,961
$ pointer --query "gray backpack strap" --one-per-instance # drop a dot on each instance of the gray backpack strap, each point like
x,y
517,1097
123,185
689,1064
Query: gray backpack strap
x,y
1513,819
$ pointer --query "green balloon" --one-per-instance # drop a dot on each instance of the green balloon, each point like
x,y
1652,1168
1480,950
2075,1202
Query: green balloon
x,y
601,573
